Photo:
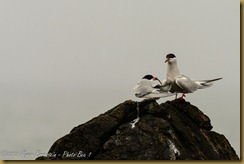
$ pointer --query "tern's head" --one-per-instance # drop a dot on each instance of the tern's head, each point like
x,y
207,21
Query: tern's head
x,y
150,77
170,58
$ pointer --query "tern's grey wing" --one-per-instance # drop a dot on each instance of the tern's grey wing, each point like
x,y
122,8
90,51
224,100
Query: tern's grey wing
x,y
186,84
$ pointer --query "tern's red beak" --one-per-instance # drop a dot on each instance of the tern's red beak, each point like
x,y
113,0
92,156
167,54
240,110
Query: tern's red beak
x,y
167,60
155,78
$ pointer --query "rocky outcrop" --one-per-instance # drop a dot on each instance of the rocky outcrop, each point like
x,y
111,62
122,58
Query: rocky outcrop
x,y
174,130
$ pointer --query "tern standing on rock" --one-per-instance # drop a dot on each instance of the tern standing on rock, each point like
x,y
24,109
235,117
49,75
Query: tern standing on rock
x,y
177,83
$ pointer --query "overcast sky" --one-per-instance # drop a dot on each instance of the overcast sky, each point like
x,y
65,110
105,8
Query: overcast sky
x,y
64,62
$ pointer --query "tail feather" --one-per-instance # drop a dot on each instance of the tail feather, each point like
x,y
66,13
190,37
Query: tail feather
x,y
206,83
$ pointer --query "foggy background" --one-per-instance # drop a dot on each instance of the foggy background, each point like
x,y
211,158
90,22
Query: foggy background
x,y
64,62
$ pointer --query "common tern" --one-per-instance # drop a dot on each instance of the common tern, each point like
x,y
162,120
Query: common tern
x,y
150,87
175,82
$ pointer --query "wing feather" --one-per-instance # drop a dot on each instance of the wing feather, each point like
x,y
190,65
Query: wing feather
x,y
186,84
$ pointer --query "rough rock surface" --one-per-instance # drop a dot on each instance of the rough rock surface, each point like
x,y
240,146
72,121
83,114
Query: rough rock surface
x,y
174,130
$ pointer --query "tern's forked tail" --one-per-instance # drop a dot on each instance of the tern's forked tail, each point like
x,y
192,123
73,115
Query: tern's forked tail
x,y
206,83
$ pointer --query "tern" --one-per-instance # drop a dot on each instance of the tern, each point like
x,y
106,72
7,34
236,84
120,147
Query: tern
x,y
175,82
150,87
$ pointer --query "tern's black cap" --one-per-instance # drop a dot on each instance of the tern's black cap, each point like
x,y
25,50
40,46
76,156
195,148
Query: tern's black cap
x,y
170,56
148,77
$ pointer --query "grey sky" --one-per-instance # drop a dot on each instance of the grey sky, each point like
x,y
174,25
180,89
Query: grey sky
x,y
64,62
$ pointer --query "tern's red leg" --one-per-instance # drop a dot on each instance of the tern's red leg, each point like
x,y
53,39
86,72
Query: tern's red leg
x,y
183,95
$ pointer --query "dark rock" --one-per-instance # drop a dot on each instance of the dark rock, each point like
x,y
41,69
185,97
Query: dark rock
x,y
175,130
